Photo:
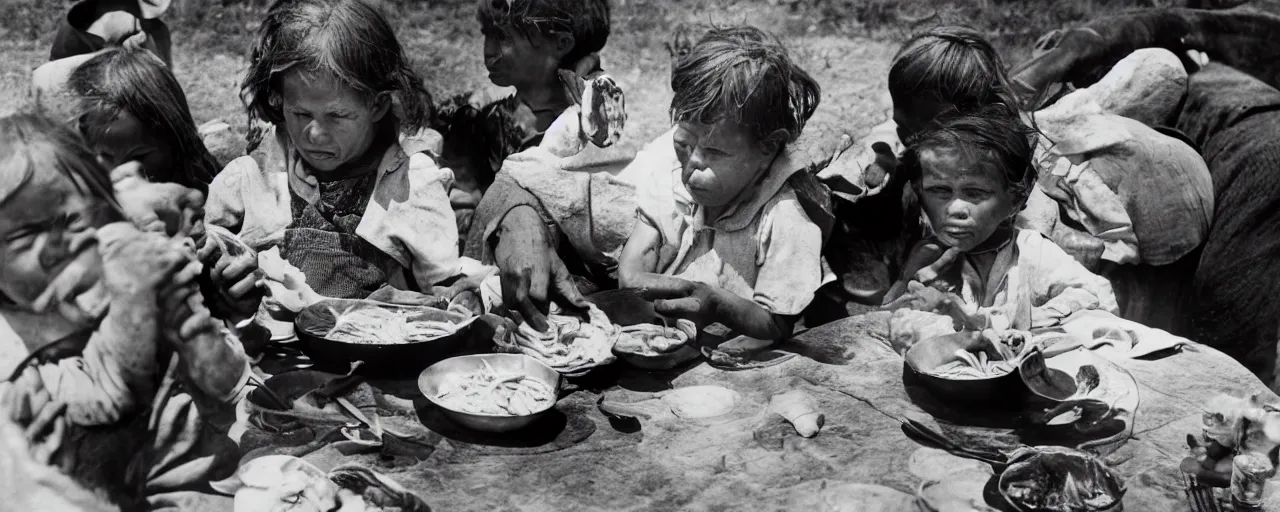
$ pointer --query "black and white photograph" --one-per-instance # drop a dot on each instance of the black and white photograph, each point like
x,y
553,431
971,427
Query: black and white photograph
x,y
639,255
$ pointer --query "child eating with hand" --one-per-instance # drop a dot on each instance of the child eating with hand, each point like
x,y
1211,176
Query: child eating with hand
x,y
108,323
721,236
973,173
338,194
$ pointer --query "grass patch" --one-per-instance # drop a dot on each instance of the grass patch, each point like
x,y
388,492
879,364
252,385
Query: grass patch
x,y
845,44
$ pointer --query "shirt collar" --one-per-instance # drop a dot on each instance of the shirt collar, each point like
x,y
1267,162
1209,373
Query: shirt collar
x,y
306,185
740,215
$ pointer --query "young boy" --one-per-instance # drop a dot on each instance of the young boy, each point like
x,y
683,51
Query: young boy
x,y
973,173
108,325
545,215
721,236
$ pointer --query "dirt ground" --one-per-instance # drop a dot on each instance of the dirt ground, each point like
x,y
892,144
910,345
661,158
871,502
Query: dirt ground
x,y
447,47
845,44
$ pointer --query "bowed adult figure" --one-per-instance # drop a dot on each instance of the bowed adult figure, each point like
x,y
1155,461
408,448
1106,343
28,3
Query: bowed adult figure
x,y
1232,112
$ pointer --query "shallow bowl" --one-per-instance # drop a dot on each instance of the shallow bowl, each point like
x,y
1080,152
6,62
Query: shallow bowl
x,y
430,380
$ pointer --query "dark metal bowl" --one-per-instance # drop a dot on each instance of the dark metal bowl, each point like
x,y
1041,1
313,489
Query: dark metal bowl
x,y
926,355
431,378
627,307
382,360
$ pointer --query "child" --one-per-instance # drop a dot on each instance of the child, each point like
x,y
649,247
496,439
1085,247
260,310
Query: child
x,y
721,226
132,108
1122,198
538,48
338,194
91,25
973,173
108,323
545,214
529,44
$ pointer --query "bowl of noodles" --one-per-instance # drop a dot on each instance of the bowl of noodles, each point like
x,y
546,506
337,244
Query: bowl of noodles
x,y
647,340
387,338
491,392
965,367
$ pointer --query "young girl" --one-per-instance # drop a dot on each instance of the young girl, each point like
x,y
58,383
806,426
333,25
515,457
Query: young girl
x,y
973,173
133,109
337,193
109,326
721,236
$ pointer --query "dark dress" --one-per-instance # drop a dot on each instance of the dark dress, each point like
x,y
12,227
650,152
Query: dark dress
x,y
322,241
72,38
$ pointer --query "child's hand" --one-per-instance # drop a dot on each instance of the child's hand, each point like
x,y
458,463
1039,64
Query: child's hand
x,y
878,172
136,263
115,26
678,298
162,207
39,416
212,359
234,276
184,315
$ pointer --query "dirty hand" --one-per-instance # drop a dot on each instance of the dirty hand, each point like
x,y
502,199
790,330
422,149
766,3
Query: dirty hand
x,y
31,483
211,358
136,263
925,298
879,171
170,208
36,413
531,270
679,298
237,287
183,313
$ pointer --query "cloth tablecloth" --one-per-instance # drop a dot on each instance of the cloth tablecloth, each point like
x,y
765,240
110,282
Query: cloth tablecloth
x,y
751,458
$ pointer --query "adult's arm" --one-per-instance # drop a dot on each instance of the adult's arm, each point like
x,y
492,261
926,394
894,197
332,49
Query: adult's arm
x,y
1241,39
503,196
513,231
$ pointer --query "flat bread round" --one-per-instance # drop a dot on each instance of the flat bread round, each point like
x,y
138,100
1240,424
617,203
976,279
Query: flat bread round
x,y
695,402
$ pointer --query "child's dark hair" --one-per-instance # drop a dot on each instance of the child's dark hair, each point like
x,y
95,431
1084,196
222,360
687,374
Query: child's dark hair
x,y
990,134
743,74
587,20
347,39
31,144
136,81
952,64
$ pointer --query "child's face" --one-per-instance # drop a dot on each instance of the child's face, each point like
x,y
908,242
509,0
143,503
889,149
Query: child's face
x,y
719,161
523,60
49,259
914,114
328,122
126,139
965,200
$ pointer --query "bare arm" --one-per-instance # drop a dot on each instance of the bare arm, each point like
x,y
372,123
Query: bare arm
x,y
640,255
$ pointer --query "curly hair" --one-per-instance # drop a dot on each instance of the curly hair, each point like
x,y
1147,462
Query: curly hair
x,y
347,39
745,75
989,134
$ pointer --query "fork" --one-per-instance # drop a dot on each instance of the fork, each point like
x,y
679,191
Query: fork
x,y
1201,498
